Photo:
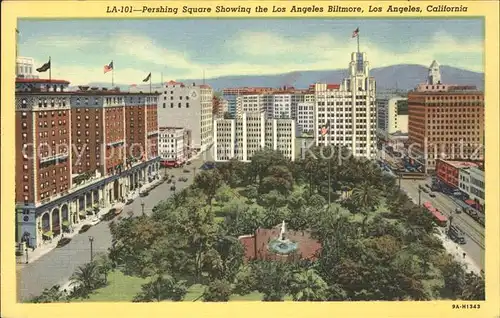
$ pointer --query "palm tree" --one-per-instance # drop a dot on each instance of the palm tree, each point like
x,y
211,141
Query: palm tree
x,y
105,265
365,198
86,278
308,286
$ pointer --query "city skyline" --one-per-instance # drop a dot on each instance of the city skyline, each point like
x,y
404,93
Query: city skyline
x,y
241,47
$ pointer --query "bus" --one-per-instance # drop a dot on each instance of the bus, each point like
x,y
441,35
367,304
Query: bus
x,y
438,217
171,163
411,175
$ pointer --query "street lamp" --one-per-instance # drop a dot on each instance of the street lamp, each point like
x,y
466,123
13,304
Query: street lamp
x,y
419,196
91,240
142,206
26,251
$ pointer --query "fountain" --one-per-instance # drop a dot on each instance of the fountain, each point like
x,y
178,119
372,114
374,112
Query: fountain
x,y
282,245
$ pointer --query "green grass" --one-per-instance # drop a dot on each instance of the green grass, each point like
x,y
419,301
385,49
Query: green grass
x,y
120,288
123,288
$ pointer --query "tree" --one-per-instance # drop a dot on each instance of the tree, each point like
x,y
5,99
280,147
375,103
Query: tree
x,y
164,287
365,198
105,265
279,178
50,295
474,288
308,286
272,200
86,278
218,290
209,182
245,280
273,278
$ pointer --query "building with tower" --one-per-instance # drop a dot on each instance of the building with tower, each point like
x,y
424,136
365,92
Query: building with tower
x,y
348,110
445,121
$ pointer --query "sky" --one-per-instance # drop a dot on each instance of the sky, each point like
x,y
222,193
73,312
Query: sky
x,y
185,48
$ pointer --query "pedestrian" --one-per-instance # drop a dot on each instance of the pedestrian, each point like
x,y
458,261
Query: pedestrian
x,y
464,255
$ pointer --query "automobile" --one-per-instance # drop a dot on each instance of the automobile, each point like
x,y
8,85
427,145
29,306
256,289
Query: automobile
x,y
425,190
129,201
169,181
63,241
95,220
432,194
180,179
117,211
172,188
456,234
188,163
428,185
85,228
183,179
458,210
144,193
186,170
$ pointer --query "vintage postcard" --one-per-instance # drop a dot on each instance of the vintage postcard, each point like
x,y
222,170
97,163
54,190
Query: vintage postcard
x,y
219,158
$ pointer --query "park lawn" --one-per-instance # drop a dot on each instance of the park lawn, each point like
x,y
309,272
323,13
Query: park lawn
x,y
120,288
124,288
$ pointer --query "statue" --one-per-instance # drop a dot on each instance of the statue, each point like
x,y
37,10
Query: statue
x,y
282,232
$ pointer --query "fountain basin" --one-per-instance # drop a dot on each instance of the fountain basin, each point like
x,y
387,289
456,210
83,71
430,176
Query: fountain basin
x,y
282,246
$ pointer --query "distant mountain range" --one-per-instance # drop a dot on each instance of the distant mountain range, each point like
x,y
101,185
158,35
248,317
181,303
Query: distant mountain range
x,y
403,77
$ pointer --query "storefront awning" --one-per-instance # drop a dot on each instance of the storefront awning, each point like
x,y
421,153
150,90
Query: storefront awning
x,y
470,202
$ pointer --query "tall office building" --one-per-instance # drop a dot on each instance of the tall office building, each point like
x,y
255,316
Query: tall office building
x,y
445,121
348,110
186,106
392,115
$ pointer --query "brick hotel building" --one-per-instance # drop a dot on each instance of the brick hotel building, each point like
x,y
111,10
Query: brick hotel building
x,y
91,145
445,121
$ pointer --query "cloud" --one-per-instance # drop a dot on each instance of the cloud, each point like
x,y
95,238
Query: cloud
x,y
259,53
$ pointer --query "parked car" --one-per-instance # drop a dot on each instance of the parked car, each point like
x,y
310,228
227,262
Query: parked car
x,y
425,190
428,185
63,241
432,195
85,228
172,188
188,163
144,193
95,220
129,201
458,210
169,181
186,170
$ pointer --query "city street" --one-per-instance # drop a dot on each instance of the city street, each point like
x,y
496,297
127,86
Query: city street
x,y
58,265
474,232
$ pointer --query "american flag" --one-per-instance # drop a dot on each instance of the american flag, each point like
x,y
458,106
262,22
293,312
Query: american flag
x,y
325,127
108,68
355,33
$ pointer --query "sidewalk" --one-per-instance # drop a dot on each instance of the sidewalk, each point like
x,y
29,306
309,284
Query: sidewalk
x,y
47,247
457,251
454,248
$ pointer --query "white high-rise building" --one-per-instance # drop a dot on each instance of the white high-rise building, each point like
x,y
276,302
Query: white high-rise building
x,y
171,145
186,106
241,137
348,110
303,113
249,103
392,115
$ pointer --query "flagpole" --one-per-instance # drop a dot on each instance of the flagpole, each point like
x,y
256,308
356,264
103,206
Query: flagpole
x,y
150,89
113,75
358,41
161,84
50,70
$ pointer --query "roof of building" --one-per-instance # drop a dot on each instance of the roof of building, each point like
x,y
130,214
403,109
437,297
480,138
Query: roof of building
x,y
40,81
434,64
461,164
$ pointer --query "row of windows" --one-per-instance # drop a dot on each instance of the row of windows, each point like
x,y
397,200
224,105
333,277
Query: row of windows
x,y
179,105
